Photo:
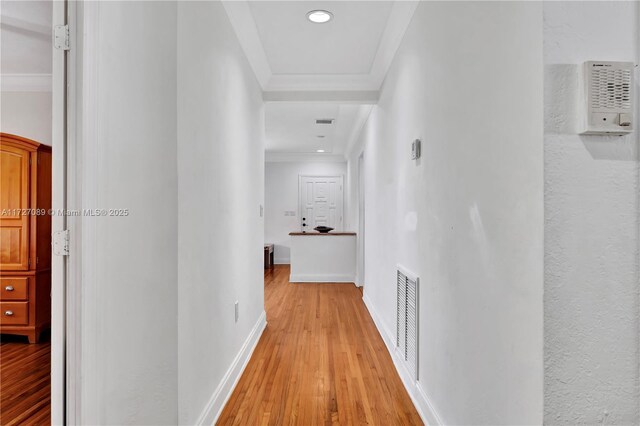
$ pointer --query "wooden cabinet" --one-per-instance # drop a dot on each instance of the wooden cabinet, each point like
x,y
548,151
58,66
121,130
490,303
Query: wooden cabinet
x,y
25,236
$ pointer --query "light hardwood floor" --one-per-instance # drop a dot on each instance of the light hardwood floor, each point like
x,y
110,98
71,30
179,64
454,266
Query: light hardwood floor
x,y
25,379
320,361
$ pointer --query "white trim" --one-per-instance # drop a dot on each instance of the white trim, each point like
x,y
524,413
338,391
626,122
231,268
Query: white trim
x,y
329,82
399,20
351,97
282,260
83,290
221,395
241,18
407,273
74,186
304,157
322,278
360,242
57,82
26,82
33,29
432,417
420,399
356,130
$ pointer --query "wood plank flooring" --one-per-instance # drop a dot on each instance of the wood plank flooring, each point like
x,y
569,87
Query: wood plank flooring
x,y
320,361
25,382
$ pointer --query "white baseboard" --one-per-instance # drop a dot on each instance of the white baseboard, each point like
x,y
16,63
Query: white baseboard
x,y
321,278
421,401
281,261
216,403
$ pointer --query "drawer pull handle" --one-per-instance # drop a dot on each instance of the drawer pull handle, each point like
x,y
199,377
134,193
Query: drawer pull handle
x,y
8,313
9,288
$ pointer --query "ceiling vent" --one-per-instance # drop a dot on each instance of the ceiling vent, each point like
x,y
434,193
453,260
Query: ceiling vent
x,y
324,121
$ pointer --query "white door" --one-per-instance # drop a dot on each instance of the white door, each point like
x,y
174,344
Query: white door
x,y
321,202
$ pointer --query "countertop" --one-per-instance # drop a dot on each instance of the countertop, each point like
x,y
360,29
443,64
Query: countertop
x,y
315,234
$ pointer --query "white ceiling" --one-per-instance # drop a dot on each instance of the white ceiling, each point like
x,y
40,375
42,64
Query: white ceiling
x,y
291,127
25,39
310,71
346,45
351,52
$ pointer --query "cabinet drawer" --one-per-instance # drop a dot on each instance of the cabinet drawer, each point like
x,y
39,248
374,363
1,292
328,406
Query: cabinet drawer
x,y
14,313
14,288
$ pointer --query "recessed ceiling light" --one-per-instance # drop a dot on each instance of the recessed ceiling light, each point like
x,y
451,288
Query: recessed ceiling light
x,y
319,16
320,150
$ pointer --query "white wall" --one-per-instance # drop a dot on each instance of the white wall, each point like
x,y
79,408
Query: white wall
x,y
591,230
129,279
221,185
281,194
468,216
178,140
26,114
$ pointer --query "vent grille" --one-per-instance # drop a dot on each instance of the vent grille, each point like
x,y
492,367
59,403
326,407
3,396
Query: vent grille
x,y
407,320
324,121
611,89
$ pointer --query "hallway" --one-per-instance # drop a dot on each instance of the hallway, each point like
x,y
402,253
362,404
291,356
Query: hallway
x,y
331,212
320,360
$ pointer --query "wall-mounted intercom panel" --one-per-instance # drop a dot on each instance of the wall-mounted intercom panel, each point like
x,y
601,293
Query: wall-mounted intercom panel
x,y
608,98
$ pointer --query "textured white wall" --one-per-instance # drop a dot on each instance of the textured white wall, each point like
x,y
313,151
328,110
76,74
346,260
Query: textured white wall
x,y
26,114
281,194
591,227
468,216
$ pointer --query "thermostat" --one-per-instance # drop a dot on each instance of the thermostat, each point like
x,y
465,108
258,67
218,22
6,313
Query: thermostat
x,y
415,149
608,98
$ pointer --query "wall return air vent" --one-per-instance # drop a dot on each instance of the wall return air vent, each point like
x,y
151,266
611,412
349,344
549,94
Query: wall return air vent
x,y
608,98
407,320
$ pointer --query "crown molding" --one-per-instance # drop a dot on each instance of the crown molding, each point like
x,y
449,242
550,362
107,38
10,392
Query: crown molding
x,y
353,97
25,82
10,23
356,131
243,23
399,20
302,157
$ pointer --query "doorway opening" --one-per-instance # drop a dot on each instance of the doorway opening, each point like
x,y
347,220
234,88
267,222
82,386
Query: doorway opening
x,y
361,220
25,277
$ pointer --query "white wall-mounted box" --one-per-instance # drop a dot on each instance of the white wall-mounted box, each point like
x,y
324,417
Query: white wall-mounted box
x,y
608,94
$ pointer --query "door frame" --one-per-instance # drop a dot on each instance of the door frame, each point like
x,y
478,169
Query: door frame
x,y
361,221
58,222
66,186
342,204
